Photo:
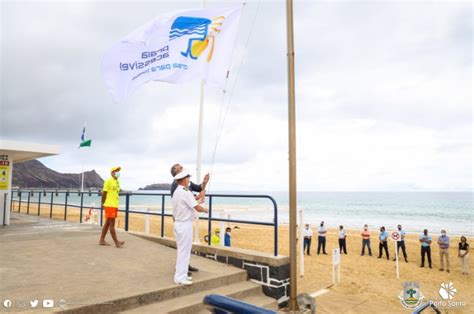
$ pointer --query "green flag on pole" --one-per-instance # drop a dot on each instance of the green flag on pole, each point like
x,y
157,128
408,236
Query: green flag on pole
x,y
84,142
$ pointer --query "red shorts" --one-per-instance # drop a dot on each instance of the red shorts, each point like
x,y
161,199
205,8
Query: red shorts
x,y
110,212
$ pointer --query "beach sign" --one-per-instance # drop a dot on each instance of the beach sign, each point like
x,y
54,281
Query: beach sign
x,y
4,172
336,263
336,257
396,236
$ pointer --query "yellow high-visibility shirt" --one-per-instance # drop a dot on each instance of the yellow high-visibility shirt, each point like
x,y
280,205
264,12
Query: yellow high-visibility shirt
x,y
215,240
112,187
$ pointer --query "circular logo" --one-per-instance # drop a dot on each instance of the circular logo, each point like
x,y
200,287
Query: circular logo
x,y
395,236
7,303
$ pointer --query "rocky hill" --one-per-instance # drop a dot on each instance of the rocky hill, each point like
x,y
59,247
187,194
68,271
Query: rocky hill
x,y
157,186
33,174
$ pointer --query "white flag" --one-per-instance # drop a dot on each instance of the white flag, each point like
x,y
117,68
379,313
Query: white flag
x,y
178,47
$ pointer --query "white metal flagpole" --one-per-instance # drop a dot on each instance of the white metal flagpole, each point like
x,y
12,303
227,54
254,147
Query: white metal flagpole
x,y
199,149
199,141
82,159
396,259
82,179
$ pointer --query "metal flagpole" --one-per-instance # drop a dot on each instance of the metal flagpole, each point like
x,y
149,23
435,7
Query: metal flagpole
x,y
292,153
199,142
82,157
199,148
82,180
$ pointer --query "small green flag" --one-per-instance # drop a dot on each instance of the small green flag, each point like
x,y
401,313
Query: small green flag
x,y
86,143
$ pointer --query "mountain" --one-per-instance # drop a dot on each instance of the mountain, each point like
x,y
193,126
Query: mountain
x,y
33,174
157,186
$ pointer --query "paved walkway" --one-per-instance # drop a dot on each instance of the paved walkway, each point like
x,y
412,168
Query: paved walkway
x,y
50,259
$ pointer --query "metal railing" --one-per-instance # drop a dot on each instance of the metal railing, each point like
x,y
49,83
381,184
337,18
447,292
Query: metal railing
x,y
16,197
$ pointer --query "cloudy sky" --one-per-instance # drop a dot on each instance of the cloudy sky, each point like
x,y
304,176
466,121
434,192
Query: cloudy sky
x,y
383,94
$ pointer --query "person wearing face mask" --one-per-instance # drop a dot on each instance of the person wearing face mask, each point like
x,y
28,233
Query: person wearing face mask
x,y
463,255
184,205
366,240
401,243
110,204
443,242
425,241
383,242
228,236
199,188
322,238
342,240
308,236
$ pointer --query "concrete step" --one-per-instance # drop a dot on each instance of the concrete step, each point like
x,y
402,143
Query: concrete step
x,y
173,293
245,290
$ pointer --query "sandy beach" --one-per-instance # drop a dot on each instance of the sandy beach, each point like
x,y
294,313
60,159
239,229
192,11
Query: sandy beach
x,y
368,284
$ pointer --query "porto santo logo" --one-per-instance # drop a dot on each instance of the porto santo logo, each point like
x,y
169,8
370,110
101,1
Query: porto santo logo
x,y
200,33
447,291
411,295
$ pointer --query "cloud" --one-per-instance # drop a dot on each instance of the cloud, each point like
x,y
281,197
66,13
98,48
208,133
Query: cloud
x,y
383,92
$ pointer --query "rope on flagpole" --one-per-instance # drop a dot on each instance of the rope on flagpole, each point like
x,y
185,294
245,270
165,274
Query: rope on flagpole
x,y
222,117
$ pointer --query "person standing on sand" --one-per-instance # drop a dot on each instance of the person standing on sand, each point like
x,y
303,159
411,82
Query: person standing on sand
x,y
366,240
463,255
383,242
228,236
184,204
308,236
110,204
342,240
443,242
322,238
425,241
401,243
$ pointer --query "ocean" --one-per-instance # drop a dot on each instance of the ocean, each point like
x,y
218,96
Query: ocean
x,y
415,211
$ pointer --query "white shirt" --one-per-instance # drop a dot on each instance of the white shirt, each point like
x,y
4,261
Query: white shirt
x,y
322,231
183,204
308,233
342,234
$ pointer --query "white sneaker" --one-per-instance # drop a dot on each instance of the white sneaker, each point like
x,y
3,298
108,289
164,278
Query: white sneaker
x,y
186,283
189,278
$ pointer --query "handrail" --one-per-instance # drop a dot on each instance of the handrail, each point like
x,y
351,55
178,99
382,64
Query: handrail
x,y
127,211
225,304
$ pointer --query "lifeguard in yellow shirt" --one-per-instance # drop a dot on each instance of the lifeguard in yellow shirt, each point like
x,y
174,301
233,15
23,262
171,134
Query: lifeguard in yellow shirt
x,y
110,204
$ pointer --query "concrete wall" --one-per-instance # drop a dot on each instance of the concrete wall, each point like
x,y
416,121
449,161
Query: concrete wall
x,y
272,272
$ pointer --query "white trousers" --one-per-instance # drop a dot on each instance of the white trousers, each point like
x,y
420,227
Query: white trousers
x,y
183,233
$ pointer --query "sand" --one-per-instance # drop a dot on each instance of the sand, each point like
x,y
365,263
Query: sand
x,y
368,284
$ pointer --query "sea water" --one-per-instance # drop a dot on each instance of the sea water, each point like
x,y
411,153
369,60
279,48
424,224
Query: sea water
x,y
415,211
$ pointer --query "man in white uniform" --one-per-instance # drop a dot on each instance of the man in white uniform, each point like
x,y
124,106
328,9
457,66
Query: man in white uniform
x,y
184,205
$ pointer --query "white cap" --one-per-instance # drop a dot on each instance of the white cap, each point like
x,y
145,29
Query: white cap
x,y
183,174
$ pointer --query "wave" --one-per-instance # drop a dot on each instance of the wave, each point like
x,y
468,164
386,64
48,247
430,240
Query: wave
x,y
200,27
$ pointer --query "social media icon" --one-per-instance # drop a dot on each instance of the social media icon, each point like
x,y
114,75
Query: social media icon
x,y
48,303
7,303
20,304
62,303
34,303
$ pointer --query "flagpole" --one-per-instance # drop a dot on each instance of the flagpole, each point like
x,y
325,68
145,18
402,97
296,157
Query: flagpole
x,y
82,180
293,305
199,141
199,147
82,174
